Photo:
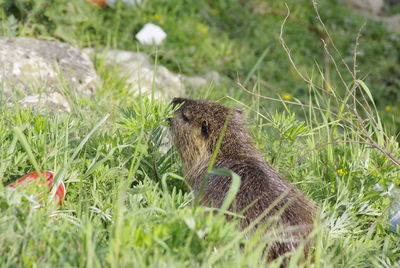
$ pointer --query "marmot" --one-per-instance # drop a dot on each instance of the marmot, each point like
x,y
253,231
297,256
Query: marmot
x,y
195,128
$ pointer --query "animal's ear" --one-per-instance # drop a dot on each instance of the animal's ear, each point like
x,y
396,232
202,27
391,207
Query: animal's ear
x,y
238,110
205,129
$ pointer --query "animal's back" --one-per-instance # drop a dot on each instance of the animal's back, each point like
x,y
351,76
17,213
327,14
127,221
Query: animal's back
x,y
286,212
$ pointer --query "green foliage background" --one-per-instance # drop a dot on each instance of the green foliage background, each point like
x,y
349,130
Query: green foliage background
x,y
127,203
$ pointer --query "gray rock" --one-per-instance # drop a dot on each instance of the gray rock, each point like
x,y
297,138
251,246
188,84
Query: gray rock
x,y
393,22
371,6
141,73
52,101
29,65
194,81
373,9
210,77
143,76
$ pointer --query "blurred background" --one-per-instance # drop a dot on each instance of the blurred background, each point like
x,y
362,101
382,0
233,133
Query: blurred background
x,y
320,88
234,40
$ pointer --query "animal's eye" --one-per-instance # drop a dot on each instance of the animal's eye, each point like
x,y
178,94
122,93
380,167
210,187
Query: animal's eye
x,y
205,128
184,117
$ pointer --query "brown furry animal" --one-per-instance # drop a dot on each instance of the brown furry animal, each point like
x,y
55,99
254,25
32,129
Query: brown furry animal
x,y
195,128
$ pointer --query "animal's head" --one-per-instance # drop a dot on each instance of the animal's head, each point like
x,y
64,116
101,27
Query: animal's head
x,y
197,124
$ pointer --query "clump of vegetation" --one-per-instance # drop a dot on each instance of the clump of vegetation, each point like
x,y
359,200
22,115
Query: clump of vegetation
x,y
228,36
316,118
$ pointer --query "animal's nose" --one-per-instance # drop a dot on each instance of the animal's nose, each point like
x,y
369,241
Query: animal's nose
x,y
176,101
169,121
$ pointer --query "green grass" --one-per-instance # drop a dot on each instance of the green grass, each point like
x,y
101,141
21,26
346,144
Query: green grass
x,y
228,36
127,203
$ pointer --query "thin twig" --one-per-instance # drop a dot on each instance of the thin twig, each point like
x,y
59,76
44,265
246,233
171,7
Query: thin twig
x,y
355,71
352,109
285,101
330,38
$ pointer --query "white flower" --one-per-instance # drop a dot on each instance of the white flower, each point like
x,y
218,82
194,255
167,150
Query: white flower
x,y
151,34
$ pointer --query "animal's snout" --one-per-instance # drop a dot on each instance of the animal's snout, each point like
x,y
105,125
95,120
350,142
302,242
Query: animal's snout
x,y
175,102
169,121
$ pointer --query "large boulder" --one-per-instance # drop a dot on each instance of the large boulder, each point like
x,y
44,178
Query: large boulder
x,y
50,101
143,75
377,10
371,6
29,67
393,22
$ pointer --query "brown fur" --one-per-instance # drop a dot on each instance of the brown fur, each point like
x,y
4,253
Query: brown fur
x,y
195,128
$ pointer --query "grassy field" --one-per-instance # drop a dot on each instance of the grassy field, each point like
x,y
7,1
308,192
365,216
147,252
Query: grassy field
x,y
331,131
